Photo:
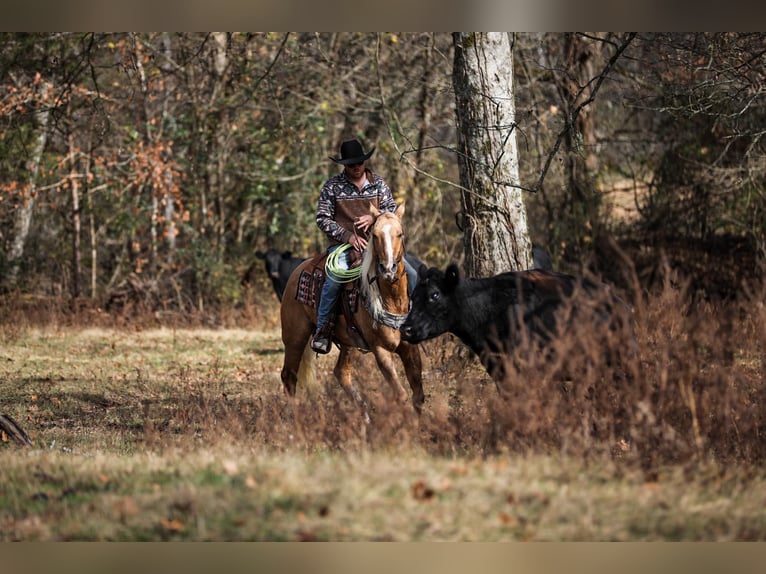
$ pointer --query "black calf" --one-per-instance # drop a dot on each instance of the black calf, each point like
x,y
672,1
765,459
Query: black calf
x,y
493,315
279,267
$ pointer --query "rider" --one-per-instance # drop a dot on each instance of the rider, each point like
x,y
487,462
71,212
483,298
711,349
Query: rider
x,y
343,214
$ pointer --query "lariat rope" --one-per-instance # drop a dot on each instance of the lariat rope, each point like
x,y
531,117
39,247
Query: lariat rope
x,y
333,265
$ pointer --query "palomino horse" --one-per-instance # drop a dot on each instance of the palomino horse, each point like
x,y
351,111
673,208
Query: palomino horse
x,y
384,306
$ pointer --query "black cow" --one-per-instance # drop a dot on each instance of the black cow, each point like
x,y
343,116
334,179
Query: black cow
x,y
413,260
279,266
493,315
541,259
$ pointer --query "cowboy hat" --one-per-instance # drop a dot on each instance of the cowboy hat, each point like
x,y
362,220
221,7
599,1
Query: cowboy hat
x,y
352,152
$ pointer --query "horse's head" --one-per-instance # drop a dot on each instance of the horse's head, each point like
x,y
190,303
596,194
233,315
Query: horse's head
x,y
387,242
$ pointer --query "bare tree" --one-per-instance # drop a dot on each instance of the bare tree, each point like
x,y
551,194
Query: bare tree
x,y
74,186
23,214
584,70
494,217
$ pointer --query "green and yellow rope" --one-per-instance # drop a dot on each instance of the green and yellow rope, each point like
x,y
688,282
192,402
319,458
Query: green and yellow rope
x,y
334,266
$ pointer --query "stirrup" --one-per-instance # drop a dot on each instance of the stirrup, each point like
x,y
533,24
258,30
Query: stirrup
x,y
320,343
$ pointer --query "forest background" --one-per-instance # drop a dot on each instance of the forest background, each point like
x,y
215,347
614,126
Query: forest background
x,y
141,171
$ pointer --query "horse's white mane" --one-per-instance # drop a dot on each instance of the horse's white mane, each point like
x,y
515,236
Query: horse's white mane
x,y
368,285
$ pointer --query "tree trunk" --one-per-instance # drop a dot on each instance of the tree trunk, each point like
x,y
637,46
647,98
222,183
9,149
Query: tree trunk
x,y
581,163
217,157
161,198
23,214
92,228
76,224
148,140
424,112
170,215
494,218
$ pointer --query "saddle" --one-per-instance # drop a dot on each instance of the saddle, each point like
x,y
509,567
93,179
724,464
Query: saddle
x,y
309,292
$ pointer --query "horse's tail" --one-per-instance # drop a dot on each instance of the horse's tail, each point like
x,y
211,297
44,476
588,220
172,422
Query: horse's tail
x,y
307,378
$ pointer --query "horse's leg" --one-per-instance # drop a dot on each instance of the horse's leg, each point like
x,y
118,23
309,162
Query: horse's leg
x,y
342,372
385,360
413,367
290,369
295,338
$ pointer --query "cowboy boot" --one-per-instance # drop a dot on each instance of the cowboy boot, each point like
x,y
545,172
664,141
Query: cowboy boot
x,y
322,340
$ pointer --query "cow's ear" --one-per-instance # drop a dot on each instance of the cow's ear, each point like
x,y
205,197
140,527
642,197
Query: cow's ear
x,y
451,277
287,254
260,254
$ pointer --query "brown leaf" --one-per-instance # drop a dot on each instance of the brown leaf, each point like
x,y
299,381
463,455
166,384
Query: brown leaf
x,y
421,491
507,519
174,525
307,536
125,507
230,467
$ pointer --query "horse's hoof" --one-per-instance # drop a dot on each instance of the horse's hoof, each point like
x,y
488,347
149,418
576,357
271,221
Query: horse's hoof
x,y
289,391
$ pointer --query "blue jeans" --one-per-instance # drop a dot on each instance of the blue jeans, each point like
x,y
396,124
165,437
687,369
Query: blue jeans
x,y
330,291
331,288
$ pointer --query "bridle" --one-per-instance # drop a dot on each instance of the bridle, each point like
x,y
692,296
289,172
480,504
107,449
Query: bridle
x,y
397,260
377,312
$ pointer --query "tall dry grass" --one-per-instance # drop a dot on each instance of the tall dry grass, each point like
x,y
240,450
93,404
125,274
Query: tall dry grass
x,y
151,429
693,392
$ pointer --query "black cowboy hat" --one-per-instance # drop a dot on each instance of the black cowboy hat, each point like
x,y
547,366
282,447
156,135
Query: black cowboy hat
x,y
352,152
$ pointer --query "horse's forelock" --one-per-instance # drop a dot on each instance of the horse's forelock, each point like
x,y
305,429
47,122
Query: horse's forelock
x,y
369,284
390,224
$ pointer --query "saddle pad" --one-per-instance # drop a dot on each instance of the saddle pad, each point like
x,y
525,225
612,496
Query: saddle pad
x,y
351,295
310,286
310,289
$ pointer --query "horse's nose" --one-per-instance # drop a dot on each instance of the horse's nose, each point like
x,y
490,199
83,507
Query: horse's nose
x,y
406,330
388,272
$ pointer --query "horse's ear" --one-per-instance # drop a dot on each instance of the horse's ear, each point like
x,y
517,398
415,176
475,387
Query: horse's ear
x,y
260,255
287,254
422,271
399,211
374,211
451,277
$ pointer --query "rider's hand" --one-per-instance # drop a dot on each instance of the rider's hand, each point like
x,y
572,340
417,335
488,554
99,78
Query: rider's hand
x,y
363,222
358,242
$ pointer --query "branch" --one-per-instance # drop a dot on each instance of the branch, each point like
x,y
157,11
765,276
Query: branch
x,y
395,117
272,64
576,111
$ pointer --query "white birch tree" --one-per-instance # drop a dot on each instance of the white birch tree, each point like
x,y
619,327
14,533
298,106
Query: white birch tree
x,y
494,218
22,219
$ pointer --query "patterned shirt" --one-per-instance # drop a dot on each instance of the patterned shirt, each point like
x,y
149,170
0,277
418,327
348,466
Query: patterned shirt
x,y
340,202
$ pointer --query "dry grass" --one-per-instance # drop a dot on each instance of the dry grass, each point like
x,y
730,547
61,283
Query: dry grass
x,y
225,492
155,433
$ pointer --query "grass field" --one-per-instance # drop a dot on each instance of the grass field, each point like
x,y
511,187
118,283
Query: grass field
x,y
152,433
